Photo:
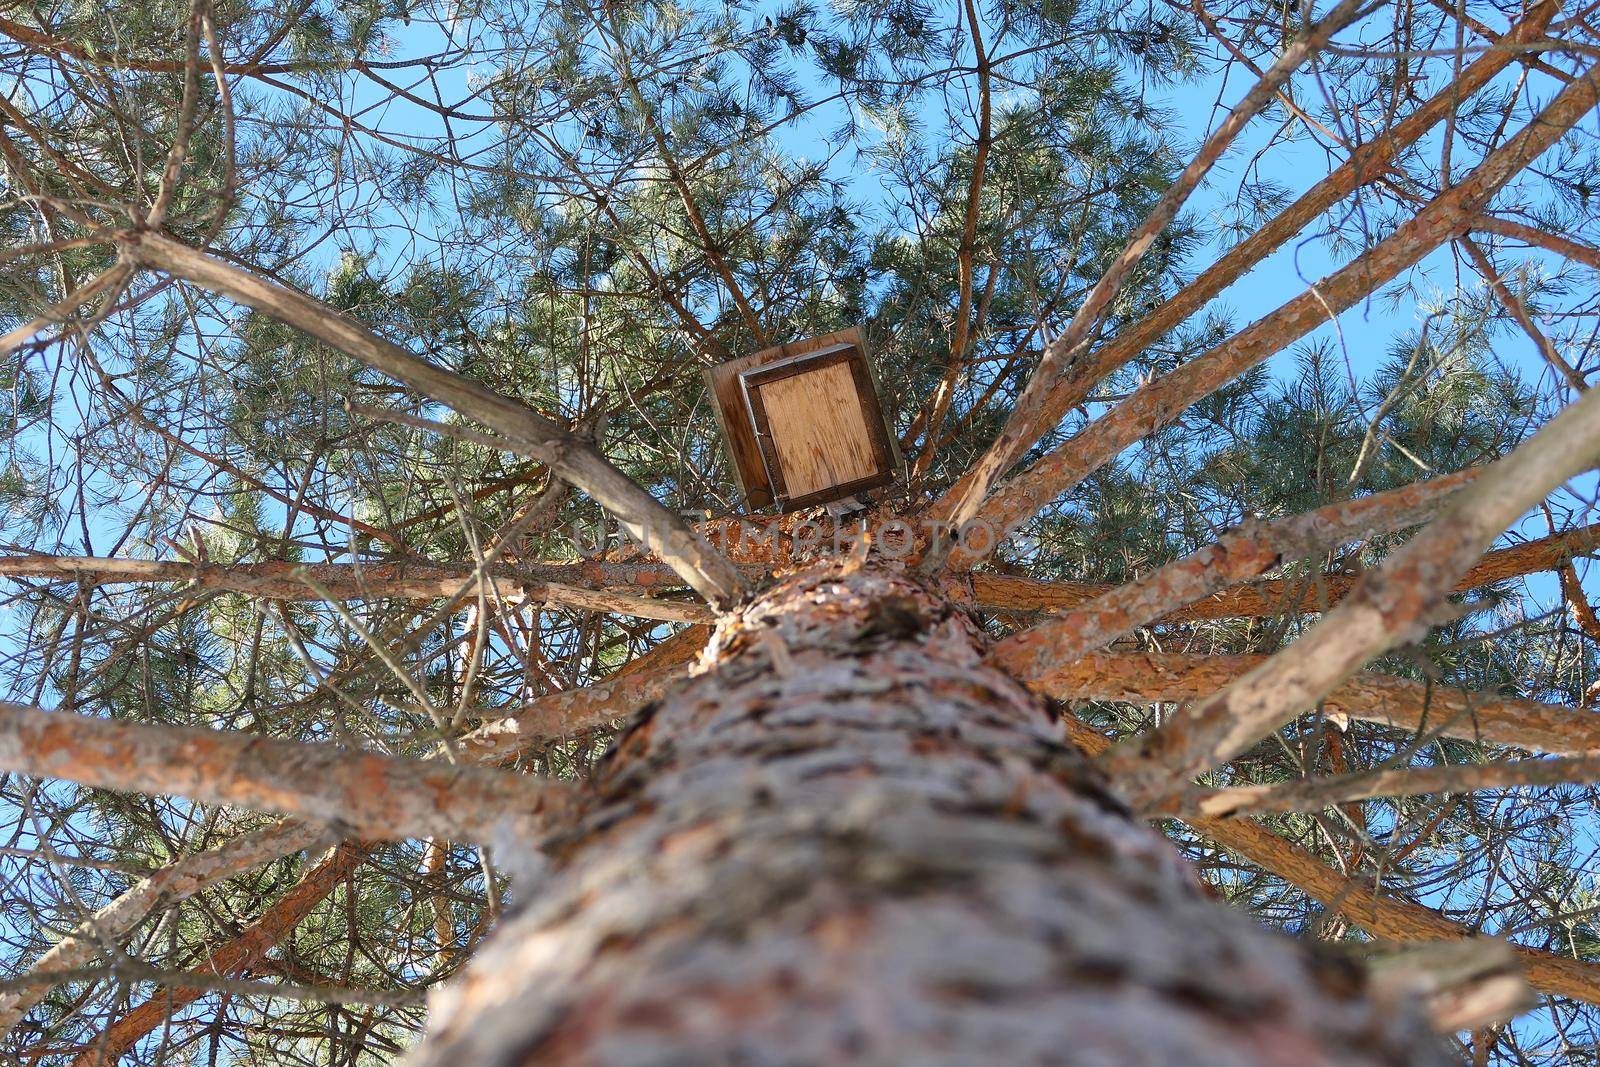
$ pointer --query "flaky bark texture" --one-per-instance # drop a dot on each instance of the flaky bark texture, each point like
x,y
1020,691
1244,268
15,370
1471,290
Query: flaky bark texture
x,y
849,841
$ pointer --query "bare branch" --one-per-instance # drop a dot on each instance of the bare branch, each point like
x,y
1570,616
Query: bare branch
x,y
109,279
1466,985
130,970
1160,402
933,413
373,795
524,430
552,716
106,57
1171,677
176,881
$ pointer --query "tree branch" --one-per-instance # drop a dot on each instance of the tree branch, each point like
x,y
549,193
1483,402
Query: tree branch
x,y
241,952
1384,917
524,430
562,714
961,336
552,716
1588,255
372,795
1162,401
176,881
1171,677
346,581
1518,310
1314,794
1246,552
1389,606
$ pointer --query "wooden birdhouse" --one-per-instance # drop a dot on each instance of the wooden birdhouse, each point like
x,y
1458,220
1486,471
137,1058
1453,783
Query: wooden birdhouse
x,y
802,422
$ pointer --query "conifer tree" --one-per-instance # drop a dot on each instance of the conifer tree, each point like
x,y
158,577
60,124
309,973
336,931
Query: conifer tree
x,y
396,671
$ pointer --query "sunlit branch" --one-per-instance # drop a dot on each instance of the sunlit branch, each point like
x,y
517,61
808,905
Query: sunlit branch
x,y
1162,401
363,792
524,430
1425,710
169,885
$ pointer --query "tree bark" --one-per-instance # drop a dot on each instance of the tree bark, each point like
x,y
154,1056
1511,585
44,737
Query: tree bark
x,y
847,840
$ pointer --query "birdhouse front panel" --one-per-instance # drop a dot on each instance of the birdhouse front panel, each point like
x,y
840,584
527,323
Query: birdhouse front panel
x,y
803,423
812,428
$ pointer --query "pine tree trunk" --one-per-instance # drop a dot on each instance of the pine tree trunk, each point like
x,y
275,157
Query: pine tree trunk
x,y
848,841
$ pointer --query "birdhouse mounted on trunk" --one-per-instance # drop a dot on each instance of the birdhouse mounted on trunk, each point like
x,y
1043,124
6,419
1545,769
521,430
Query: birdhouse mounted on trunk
x,y
803,423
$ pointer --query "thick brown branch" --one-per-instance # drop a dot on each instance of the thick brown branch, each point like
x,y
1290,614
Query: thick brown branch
x,y
1572,593
1166,678
134,971
1268,598
565,713
1028,653
604,583
558,715
372,795
553,716
1247,552
1527,57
